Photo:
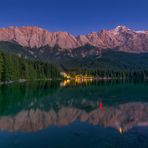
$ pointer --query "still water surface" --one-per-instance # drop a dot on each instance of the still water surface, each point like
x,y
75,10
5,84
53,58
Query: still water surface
x,y
49,114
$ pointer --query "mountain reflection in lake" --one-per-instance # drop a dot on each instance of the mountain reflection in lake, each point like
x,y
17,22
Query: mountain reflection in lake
x,y
99,114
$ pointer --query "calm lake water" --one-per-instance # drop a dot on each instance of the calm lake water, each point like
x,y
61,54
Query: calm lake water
x,y
68,115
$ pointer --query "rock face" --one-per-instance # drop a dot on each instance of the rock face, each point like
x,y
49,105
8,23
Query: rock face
x,y
37,37
121,38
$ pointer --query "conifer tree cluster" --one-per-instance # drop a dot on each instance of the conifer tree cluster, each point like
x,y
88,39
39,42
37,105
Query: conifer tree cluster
x,y
15,68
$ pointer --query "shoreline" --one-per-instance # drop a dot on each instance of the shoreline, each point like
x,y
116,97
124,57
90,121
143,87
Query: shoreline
x,y
24,80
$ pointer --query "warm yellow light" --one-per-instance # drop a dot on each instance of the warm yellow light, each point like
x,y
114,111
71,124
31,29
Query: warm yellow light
x,y
120,130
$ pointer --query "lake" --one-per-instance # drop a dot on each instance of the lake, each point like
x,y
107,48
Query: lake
x,y
46,114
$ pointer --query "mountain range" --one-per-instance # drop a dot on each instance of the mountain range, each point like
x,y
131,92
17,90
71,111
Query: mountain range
x,y
119,47
121,38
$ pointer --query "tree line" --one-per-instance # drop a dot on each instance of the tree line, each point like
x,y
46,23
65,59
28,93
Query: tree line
x,y
15,68
114,73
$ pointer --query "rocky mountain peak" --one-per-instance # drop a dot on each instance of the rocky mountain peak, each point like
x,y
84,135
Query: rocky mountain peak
x,y
122,27
34,37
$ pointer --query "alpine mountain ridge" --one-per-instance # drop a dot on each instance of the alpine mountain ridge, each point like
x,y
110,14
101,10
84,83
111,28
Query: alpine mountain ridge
x,y
121,38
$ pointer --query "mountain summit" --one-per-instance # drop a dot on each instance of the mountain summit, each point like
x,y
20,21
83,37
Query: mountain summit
x,y
120,38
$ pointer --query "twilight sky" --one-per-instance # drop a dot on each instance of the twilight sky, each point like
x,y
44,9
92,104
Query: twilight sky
x,y
75,16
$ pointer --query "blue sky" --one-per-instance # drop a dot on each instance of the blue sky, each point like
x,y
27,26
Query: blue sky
x,y
75,16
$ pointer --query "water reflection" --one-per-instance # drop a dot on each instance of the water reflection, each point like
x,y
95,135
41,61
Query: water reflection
x,y
122,117
49,95
76,135
36,105
93,114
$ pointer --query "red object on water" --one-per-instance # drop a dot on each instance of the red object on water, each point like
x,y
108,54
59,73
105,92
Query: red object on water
x,y
100,105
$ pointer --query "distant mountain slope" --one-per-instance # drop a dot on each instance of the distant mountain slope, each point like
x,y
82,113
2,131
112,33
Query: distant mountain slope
x,y
80,58
15,48
121,38
110,59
